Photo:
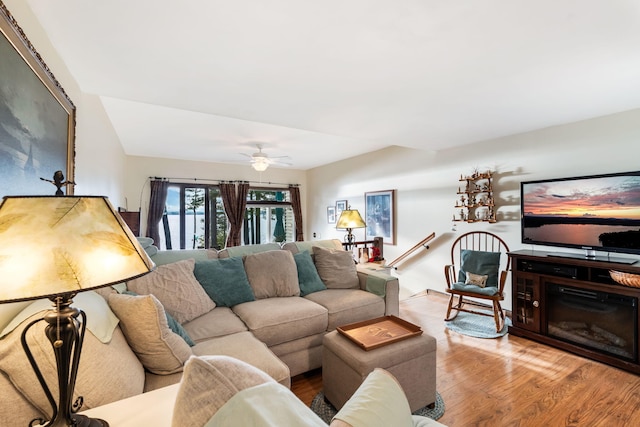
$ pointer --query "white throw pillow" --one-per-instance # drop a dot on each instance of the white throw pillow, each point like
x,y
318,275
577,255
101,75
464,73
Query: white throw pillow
x,y
378,402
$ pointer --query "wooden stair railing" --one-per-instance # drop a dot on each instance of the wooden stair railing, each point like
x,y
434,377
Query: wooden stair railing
x,y
423,243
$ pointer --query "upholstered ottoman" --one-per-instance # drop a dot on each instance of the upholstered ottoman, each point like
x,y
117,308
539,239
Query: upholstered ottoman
x,y
412,361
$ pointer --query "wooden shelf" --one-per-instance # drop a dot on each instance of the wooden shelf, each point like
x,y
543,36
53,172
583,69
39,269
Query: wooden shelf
x,y
469,209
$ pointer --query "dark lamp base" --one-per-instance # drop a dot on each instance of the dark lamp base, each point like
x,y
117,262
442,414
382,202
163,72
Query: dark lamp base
x,y
84,421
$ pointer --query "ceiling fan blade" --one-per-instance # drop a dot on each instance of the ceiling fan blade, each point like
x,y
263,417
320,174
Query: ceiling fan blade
x,y
280,163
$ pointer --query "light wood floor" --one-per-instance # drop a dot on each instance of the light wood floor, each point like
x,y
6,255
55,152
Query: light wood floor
x,y
512,381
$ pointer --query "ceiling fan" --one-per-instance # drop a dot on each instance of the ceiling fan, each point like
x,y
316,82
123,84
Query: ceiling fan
x,y
260,161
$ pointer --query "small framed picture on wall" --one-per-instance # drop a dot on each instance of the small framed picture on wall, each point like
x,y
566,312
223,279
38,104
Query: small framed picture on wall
x,y
341,205
331,214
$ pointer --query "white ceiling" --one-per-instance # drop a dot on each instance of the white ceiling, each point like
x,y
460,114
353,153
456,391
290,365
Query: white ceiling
x,y
321,81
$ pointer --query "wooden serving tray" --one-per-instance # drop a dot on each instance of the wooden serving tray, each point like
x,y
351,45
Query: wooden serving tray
x,y
379,332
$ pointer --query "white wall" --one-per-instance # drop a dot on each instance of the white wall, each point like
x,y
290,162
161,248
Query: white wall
x,y
139,169
99,161
427,182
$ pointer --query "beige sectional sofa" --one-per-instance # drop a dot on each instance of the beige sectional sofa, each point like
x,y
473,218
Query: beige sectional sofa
x,y
261,304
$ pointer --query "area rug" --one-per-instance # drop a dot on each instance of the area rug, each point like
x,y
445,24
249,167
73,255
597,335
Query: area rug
x,y
326,411
476,326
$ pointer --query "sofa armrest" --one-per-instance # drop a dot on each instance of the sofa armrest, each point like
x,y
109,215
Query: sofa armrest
x,y
383,284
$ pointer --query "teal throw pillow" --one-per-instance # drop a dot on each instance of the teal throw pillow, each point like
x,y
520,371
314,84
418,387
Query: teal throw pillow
x,y
480,263
308,277
178,329
174,325
224,280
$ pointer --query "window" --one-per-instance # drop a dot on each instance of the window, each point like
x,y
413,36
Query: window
x,y
268,217
194,218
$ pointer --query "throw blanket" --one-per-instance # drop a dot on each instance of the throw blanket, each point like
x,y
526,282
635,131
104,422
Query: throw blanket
x,y
268,404
100,319
376,285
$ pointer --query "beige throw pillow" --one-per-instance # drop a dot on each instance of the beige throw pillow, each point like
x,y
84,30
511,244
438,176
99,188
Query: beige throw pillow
x,y
476,279
177,289
272,274
208,382
144,323
336,268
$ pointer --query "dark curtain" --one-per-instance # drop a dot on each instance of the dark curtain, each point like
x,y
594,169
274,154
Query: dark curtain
x,y
234,205
157,203
241,206
228,195
297,211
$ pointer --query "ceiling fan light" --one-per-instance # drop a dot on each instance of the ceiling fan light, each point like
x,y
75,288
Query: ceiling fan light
x,y
260,164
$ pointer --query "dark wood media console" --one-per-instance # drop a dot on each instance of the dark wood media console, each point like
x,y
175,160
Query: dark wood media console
x,y
573,304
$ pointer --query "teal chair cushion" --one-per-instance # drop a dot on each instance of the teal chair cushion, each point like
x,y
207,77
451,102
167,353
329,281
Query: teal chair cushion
x,y
490,290
479,263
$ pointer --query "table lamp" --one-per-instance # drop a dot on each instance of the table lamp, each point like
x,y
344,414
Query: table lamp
x,y
350,219
54,247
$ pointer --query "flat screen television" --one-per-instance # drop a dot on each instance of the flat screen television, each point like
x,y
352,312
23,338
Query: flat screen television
x,y
593,213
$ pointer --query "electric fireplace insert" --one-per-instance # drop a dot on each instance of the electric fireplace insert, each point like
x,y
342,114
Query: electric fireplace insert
x,y
601,321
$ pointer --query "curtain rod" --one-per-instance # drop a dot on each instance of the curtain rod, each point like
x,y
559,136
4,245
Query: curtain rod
x,y
222,181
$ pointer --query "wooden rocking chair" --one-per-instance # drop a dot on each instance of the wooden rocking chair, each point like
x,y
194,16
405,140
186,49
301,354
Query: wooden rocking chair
x,y
482,262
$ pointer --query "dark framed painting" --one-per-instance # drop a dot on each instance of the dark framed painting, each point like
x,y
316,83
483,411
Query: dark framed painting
x,y
379,211
37,119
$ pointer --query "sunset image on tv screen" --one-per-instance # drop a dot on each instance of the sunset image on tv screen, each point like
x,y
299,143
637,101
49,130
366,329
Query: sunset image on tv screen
x,y
597,212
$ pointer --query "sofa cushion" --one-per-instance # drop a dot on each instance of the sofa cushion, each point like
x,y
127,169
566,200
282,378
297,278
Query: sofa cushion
x,y
272,274
176,288
107,372
308,278
173,255
240,251
296,247
348,305
218,322
15,409
277,320
144,323
248,348
336,268
224,280
208,383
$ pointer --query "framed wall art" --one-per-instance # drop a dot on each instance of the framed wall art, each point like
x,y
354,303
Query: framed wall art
x,y
37,118
331,214
380,215
341,205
